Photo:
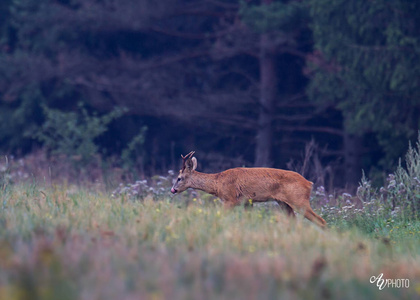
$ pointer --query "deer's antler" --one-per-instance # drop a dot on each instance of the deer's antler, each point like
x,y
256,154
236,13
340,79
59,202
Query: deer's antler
x,y
185,158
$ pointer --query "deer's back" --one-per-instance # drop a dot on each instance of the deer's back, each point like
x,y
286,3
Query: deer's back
x,y
263,182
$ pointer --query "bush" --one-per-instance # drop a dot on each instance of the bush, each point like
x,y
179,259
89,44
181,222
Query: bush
x,y
134,150
74,133
156,188
375,209
401,193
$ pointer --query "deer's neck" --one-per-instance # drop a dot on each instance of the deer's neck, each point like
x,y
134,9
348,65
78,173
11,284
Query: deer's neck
x,y
205,182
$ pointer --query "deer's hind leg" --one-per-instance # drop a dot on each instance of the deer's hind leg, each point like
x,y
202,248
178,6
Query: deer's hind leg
x,y
296,197
300,203
284,205
312,216
287,208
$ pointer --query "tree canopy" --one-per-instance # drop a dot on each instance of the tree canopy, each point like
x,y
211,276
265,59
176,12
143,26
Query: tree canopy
x,y
243,82
367,65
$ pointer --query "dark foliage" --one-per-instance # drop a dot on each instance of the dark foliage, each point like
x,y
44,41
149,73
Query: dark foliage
x,y
228,79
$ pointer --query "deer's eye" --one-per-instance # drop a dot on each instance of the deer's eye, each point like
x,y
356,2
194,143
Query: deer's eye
x,y
179,179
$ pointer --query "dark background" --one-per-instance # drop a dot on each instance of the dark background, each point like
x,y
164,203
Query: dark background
x,y
326,88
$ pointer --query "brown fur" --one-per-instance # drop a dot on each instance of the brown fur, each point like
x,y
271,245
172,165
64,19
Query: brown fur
x,y
236,186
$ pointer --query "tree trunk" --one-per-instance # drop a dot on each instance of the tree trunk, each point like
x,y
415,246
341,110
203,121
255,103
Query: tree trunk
x,y
264,139
352,155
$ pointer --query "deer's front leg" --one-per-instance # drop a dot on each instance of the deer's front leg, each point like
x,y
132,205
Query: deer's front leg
x,y
227,196
248,204
230,201
229,205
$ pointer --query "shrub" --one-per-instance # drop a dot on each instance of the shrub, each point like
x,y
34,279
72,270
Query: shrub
x,y
157,188
74,133
134,149
375,209
401,192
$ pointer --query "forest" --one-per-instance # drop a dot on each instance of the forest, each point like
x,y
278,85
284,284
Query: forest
x,y
100,98
325,88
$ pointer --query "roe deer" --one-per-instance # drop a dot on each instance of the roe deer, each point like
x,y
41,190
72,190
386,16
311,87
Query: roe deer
x,y
236,186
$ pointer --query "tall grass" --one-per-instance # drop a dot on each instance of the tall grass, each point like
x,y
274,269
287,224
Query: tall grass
x,y
66,243
378,211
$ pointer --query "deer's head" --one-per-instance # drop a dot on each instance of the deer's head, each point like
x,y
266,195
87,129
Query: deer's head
x,y
189,164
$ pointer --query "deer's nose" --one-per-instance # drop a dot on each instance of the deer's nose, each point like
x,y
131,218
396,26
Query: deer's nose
x,y
173,191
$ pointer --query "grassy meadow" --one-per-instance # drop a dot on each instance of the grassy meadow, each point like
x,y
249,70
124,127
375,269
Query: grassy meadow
x,y
66,242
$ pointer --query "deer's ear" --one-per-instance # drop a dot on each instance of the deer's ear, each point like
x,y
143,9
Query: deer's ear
x,y
191,164
194,161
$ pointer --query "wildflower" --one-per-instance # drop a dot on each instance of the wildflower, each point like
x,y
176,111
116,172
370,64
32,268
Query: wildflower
x,y
392,184
401,188
320,191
